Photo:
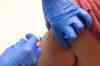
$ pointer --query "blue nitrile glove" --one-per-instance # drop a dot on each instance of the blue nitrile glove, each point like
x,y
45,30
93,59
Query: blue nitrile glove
x,y
66,19
23,53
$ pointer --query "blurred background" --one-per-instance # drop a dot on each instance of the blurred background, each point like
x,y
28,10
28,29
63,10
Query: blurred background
x,y
18,17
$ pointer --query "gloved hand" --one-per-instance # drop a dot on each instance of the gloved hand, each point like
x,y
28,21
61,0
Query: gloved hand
x,y
23,53
66,19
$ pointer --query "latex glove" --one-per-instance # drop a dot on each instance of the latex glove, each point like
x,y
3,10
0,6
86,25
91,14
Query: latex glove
x,y
23,53
66,19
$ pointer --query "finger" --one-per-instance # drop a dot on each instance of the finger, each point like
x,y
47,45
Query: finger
x,y
85,17
20,42
69,33
77,24
38,53
31,40
29,35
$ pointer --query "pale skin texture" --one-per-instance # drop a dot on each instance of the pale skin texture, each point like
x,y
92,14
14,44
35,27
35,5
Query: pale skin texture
x,y
86,49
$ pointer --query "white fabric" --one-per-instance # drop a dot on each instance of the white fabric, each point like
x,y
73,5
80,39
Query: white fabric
x,y
18,17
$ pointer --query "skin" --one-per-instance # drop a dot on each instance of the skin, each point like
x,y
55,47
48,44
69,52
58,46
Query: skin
x,y
83,52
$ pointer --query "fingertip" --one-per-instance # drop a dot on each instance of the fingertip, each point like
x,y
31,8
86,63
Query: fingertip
x,y
70,34
31,37
86,18
77,25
